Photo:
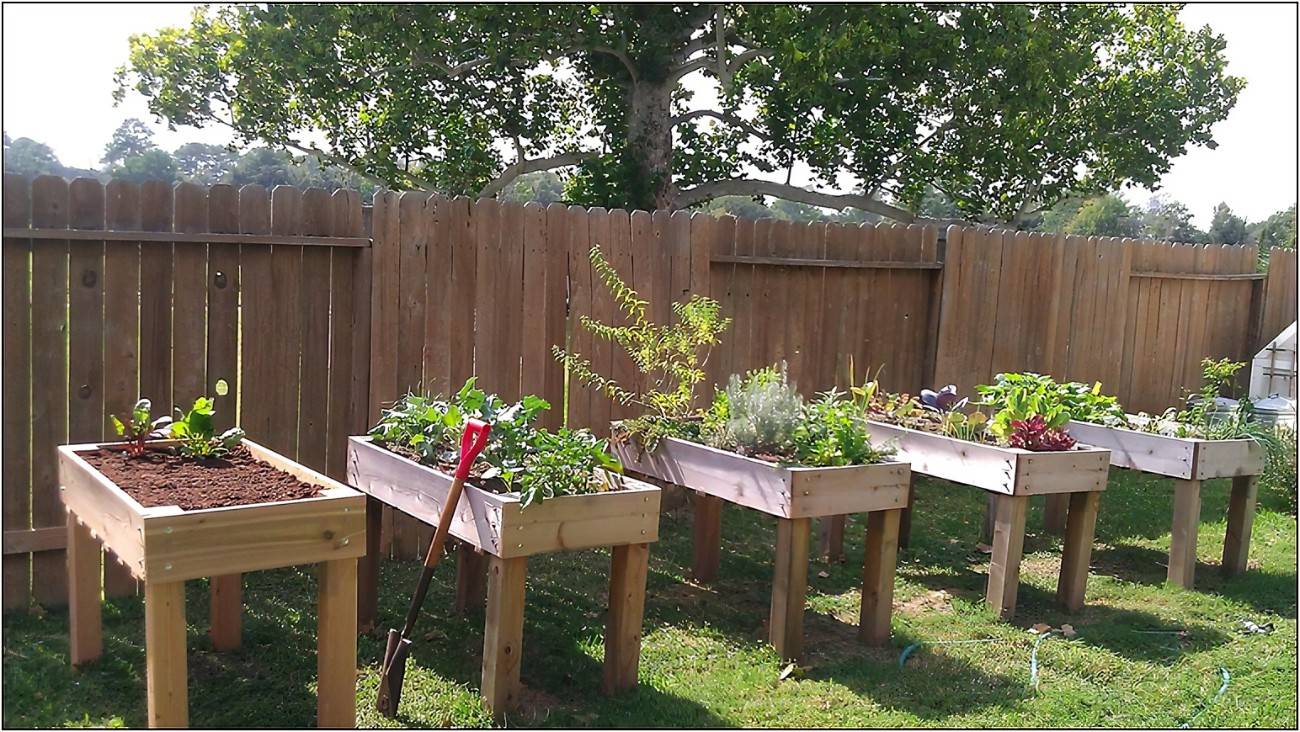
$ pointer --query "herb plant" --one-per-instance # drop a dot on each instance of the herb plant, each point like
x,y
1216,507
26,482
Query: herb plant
x,y
669,358
138,429
760,414
833,431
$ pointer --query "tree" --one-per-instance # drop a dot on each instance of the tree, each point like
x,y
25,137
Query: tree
x,y
200,162
131,138
264,166
1278,230
1106,215
544,186
1168,220
28,157
152,164
1003,107
1226,227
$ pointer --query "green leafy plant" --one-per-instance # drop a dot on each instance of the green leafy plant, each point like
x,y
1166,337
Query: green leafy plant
x,y
139,428
1017,397
197,432
833,431
669,358
518,456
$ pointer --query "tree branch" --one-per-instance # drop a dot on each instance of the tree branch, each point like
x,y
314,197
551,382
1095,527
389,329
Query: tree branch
x,y
730,119
513,171
752,187
621,56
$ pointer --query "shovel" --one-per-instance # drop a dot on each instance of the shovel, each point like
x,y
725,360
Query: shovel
x,y
393,669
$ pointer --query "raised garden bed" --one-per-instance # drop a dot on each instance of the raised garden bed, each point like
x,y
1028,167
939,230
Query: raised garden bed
x,y
163,545
626,517
1012,475
1189,461
794,495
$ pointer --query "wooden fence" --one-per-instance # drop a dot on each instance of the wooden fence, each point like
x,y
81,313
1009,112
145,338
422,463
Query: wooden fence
x,y
122,290
315,325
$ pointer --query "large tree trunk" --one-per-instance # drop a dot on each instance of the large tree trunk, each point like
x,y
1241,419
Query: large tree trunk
x,y
650,143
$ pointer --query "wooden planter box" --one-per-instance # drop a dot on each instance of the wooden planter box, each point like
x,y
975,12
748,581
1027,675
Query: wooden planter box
x,y
164,546
1189,461
1012,475
794,495
497,525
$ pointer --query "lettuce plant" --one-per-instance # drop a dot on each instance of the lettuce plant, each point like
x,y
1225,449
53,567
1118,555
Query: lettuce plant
x,y
1035,434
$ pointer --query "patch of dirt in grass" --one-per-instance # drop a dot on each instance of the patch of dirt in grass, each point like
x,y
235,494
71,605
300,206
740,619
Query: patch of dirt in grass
x,y
535,706
926,602
828,640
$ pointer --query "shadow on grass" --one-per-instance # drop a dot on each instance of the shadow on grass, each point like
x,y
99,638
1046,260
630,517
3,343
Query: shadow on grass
x,y
1269,592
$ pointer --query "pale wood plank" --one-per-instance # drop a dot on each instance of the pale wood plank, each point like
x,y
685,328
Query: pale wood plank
x,y
881,559
336,645
503,634
85,627
368,568
831,540
165,662
1008,544
1076,551
627,578
1182,538
1241,519
789,586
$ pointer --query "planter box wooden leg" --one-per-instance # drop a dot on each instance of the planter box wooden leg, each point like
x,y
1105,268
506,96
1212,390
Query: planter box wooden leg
x,y
1182,539
990,513
707,535
1077,551
165,664
1241,518
832,538
878,576
226,606
336,645
626,611
1055,511
85,626
1008,543
471,578
503,634
368,568
789,586
905,520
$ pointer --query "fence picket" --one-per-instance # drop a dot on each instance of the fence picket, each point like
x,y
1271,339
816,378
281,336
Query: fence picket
x,y
16,467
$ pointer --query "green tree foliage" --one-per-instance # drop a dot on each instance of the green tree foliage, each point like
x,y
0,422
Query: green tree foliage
x,y
1226,227
203,163
1002,107
28,157
544,187
1105,215
132,138
152,164
1168,220
1277,231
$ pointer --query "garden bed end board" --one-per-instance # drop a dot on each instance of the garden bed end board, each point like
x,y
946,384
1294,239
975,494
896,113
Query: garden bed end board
x,y
1183,458
168,544
1006,470
784,492
497,523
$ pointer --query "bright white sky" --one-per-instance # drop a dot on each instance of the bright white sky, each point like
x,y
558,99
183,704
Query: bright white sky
x,y
59,62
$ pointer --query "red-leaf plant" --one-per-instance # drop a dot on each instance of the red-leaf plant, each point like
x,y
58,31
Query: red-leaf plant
x,y
1034,434
139,428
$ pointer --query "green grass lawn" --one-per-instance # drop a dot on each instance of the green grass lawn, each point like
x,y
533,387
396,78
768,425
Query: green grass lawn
x,y
1145,654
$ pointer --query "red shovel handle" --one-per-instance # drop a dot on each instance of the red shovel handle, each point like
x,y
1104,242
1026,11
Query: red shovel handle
x,y
472,442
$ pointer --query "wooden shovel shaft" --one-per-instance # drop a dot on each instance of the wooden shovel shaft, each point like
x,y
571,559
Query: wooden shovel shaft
x,y
435,553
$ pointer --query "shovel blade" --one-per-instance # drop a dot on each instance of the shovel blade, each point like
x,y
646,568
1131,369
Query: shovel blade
x,y
391,674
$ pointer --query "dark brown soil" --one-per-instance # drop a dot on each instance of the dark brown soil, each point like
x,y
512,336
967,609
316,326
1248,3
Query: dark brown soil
x,y
162,479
